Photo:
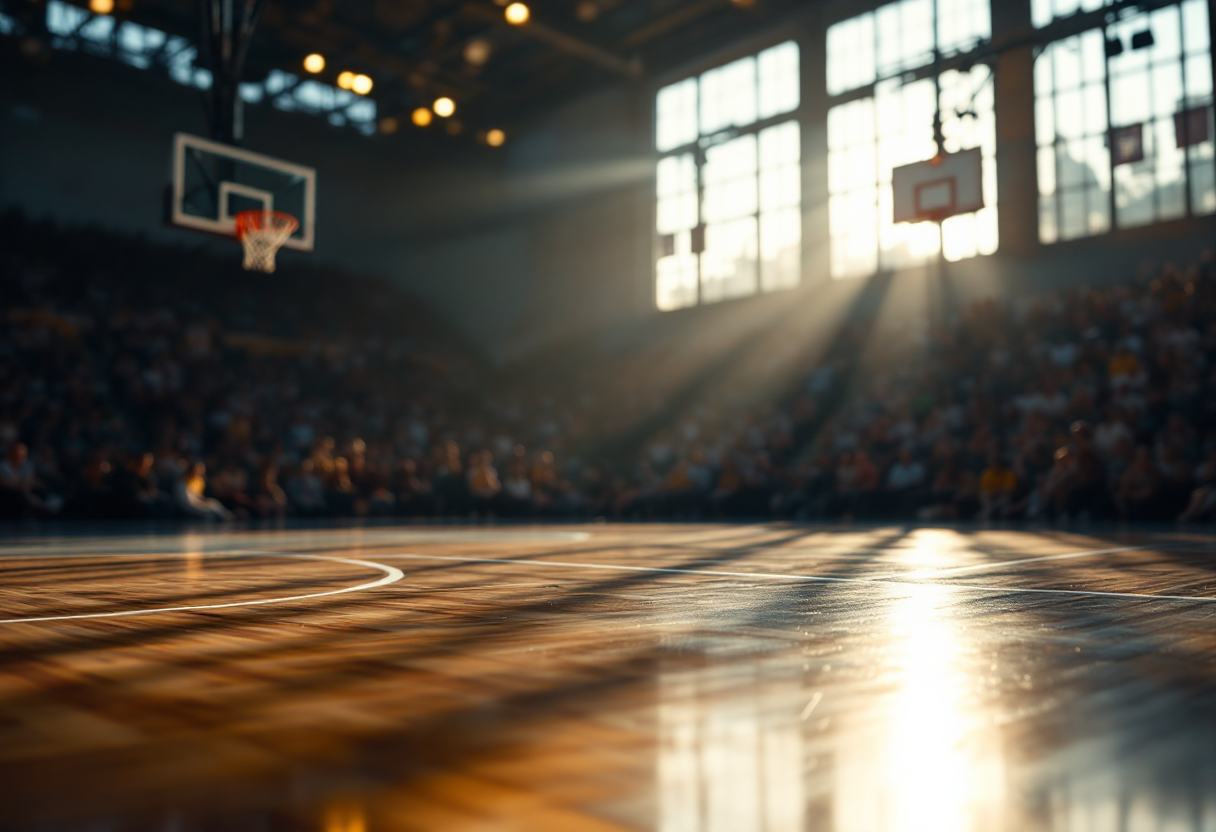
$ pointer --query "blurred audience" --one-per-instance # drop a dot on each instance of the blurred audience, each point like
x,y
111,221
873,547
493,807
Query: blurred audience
x,y
1097,403
128,372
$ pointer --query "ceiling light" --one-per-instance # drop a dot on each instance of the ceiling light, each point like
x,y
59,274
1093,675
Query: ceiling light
x,y
101,6
495,138
477,51
517,14
454,127
314,63
361,84
346,80
444,106
422,117
388,126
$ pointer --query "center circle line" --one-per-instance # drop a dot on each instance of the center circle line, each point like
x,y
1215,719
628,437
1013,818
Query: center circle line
x,y
391,576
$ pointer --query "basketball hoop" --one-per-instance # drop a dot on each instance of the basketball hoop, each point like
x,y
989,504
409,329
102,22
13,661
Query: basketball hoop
x,y
938,188
263,233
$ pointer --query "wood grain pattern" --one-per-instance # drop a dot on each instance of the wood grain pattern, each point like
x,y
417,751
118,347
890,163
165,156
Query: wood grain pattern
x,y
922,686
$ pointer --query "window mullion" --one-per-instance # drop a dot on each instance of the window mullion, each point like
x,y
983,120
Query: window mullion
x,y
1151,124
699,162
1110,145
1186,150
875,144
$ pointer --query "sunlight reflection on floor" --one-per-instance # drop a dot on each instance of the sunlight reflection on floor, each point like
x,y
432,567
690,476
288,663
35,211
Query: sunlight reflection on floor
x,y
944,771
729,763
736,754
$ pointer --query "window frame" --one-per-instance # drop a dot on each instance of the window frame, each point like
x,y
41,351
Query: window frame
x,y
698,148
1101,21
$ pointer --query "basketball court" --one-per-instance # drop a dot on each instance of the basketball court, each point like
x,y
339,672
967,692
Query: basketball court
x,y
668,260
766,677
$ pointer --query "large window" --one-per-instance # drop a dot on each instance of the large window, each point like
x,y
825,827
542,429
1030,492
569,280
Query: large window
x,y
1144,88
882,63
728,217
1044,12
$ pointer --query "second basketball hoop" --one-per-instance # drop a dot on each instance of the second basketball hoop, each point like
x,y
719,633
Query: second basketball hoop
x,y
938,188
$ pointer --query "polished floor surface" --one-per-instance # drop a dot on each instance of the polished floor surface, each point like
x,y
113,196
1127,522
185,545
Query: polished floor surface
x,y
674,678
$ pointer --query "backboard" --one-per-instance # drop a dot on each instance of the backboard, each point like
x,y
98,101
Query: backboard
x,y
938,188
213,182
1126,144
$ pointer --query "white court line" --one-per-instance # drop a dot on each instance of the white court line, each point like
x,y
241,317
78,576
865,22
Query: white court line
x,y
391,576
208,542
933,573
776,576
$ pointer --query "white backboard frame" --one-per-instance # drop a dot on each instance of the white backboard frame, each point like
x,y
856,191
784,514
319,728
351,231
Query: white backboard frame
x,y
225,224
952,183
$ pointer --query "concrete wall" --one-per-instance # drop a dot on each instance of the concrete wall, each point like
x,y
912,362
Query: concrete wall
x,y
551,242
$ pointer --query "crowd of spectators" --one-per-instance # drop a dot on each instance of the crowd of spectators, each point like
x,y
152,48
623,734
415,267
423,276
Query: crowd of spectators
x,y
141,381
1096,403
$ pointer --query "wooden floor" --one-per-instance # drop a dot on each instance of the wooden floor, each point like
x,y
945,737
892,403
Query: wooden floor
x,y
675,678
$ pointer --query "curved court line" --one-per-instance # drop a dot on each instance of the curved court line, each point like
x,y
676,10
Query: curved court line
x,y
203,542
805,578
391,576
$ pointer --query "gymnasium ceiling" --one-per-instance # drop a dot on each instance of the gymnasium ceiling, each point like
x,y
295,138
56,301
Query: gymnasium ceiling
x,y
416,50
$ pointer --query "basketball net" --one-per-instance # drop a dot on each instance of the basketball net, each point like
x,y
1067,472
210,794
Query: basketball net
x,y
263,233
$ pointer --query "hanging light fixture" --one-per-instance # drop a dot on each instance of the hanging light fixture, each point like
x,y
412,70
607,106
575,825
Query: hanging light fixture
x,y
517,14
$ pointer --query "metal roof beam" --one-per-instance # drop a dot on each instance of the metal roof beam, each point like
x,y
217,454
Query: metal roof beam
x,y
631,68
